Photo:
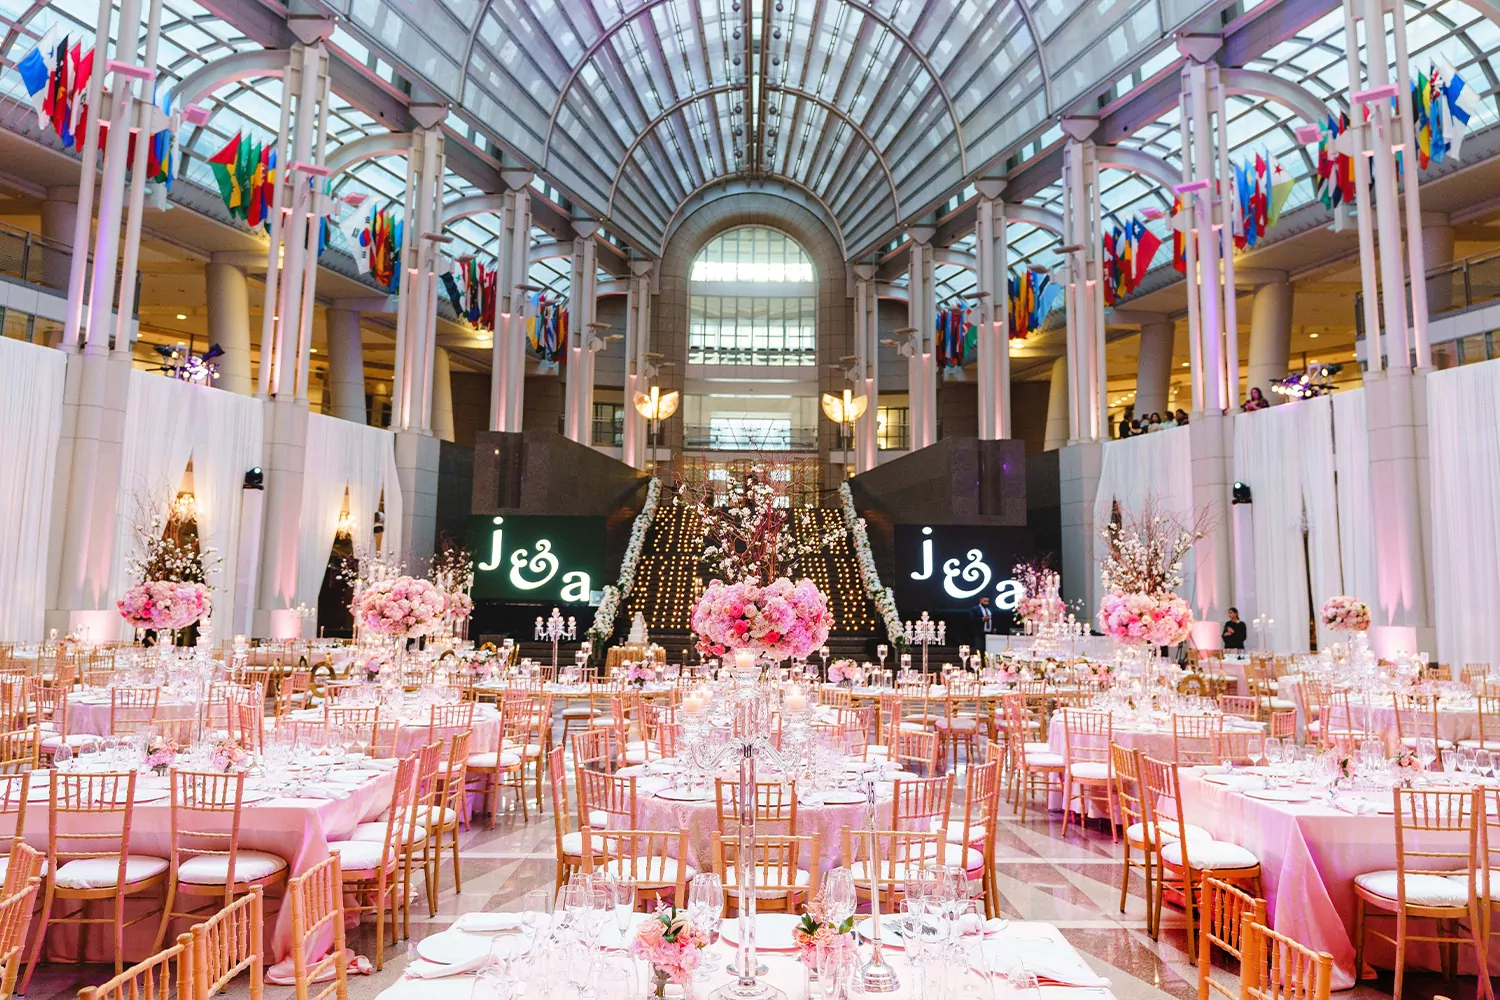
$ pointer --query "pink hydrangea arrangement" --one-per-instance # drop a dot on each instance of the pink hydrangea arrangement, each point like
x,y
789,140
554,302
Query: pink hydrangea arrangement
x,y
164,604
230,755
1041,608
671,943
1407,765
779,620
841,670
460,605
401,607
816,931
1141,618
1100,671
640,672
160,752
1346,614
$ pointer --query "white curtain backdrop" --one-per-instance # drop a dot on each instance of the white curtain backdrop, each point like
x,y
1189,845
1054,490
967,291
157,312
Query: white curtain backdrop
x,y
1285,455
167,423
31,395
1464,440
1351,457
1158,465
344,455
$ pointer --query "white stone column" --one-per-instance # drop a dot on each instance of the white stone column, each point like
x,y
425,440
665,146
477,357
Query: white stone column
x,y
867,354
442,396
1270,337
1153,372
228,295
1087,375
637,346
921,362
578,392
508,380
1057,406
346,364
991,257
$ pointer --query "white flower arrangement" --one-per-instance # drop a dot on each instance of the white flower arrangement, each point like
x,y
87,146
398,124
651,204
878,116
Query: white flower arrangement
x,y
614,594
884,598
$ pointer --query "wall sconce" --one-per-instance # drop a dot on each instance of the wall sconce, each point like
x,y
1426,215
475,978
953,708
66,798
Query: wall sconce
x,y
345,525
184,506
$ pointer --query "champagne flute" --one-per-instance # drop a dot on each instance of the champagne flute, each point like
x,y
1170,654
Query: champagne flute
x,y
912,939
624,889
706,910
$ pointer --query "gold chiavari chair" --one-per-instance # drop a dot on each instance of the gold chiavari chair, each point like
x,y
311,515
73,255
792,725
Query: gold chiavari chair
x,y
16,701
317,901
491,771
786,869
1488,707
15,920
164,975
1140,827
1471,672
228,943
917,752
775,806
249,718
1240,706
1274,967
1281,724
569,842
1033,767
443,816
596,750
371,870
207,859
14,789
1227,911
1087,736
606,801
87,857
1195,738
650,857
1416,718
1429,881
892,857
132,709
981,815
20,750
446,721
23,864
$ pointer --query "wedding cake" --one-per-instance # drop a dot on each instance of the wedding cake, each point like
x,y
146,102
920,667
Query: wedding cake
x,y
637,630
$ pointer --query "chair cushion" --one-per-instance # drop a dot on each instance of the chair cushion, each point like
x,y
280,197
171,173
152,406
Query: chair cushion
x,y
1034,747
5,867
1487,744
958,724
1421,890
72,740
213,869
572,844
598,819
437,816
650,870
764,875
1282,704
1090,770
958,854
578,712
635,756
101,873
374,833
529,750
491,760
1209,854
954,833
913,727
358,856
1463,883
1045,760
1136,834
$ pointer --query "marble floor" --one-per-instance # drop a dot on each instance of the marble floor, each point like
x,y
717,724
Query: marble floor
x,y
1073,883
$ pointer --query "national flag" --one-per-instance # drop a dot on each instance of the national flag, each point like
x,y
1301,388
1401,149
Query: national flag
x,y
1282,183
36,69
1262,200
255,207
1179,235
451,287
223,164
356,233
1242,216
57,102
78,98
1146,245
1461,103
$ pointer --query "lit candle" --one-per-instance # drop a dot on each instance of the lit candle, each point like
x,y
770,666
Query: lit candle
x,y
692,704
744,659
796,701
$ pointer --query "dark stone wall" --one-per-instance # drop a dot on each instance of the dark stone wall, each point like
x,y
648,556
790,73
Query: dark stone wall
x,y
1044,502
542,404
1028,414
958,409
471,406
956,481
455,490
542,472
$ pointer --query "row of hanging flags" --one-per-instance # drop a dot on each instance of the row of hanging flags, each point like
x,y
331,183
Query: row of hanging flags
x,y
471,289
1030,297
547,330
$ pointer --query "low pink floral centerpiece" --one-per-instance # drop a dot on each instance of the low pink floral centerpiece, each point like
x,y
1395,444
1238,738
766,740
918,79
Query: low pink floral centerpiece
x,y
1346,614
401,607
230,755
779,620
1162,620
641,671
671,943
842,670
164,604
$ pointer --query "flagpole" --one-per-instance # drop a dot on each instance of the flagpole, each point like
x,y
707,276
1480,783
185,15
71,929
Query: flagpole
x,y
88,176
1415,253
1231,310
144,113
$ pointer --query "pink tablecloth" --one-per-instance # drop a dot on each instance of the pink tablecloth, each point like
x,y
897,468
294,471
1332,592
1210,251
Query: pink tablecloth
x,y
1309,854
298,830
89,716
413,734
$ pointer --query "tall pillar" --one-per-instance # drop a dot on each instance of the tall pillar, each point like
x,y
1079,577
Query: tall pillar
x,y
442,396
228,295
583,341
993,266
1057,406
1088,384
508,370
921,362
1153,372
1270,336
637,366
416,321
59,219
867,365
346,364
1437,252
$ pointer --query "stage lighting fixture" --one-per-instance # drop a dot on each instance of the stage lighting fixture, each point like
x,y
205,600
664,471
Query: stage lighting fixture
x,y
255,479
1239,494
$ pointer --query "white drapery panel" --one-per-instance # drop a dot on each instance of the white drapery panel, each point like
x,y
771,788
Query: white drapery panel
x,y
1137,469
230,435
167,423
1285,455
31,395
1351,457
1464,441
344,455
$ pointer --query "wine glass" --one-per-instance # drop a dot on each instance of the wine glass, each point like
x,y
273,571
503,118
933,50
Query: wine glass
x,y
838,895
1450,760
624,889
968,936
536,911
706,910
1483,762
61,756
1426,751
911,937
1466,759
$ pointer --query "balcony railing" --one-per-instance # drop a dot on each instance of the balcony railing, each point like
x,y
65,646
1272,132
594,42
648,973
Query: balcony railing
x,y
1454,287
35,260
720,439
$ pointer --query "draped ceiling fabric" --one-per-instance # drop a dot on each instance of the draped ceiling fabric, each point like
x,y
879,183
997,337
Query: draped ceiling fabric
x,y
341,456
168,423
31,394
1152,466
1285,455
1464,438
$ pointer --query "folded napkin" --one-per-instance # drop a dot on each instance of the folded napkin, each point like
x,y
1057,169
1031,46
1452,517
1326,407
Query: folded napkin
x,y
1054,962
332,794
1357,806
488,923
423,969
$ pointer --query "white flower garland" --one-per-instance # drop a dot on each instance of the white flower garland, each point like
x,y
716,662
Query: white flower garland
x,y
614,594
884,598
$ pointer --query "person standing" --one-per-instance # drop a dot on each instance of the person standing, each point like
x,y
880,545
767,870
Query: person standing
x,y
1234,631
984,622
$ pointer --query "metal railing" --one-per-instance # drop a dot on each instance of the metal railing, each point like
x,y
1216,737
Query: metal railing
x,y
1453,287
718,439
35,260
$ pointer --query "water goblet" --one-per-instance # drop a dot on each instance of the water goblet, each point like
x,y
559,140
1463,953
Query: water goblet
x,y
839,895
1466,759
1483,763
1450,760
623,897
706,910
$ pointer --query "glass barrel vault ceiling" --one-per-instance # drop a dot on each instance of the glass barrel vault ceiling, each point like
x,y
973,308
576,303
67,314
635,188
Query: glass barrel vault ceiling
x,y
876,109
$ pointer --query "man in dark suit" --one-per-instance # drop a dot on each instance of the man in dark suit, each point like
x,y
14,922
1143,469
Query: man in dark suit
x,y
983,617
1234,631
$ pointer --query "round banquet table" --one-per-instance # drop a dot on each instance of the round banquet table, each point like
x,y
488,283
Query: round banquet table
x,y
633,652
412,733
1310,853
88,712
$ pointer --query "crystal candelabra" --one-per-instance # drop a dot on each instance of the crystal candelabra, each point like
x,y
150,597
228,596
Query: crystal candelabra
x,y
735,731
554,630
927,632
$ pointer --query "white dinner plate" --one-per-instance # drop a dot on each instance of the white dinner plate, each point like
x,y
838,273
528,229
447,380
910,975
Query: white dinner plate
x,y
773,931
684,795
1279,794
454,947
843,798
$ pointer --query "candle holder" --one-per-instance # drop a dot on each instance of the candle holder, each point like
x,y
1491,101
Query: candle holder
x,y
554,629
926,632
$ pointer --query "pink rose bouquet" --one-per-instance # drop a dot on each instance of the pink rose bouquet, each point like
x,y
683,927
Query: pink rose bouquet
x,y
1346,614
841,670
671,943
1141,618
230,755
164,604
1407,765
160,752
401,607
641,672
779,620
1041,608
460,605
816,931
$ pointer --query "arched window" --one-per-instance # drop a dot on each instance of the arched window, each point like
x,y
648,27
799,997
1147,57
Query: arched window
x,y
753,301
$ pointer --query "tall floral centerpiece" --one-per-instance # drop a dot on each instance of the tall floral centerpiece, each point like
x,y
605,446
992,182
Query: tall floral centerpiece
x,y
164,605
172,593
401,608
453,573
1042,603
752,537
1346,614
1142,569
